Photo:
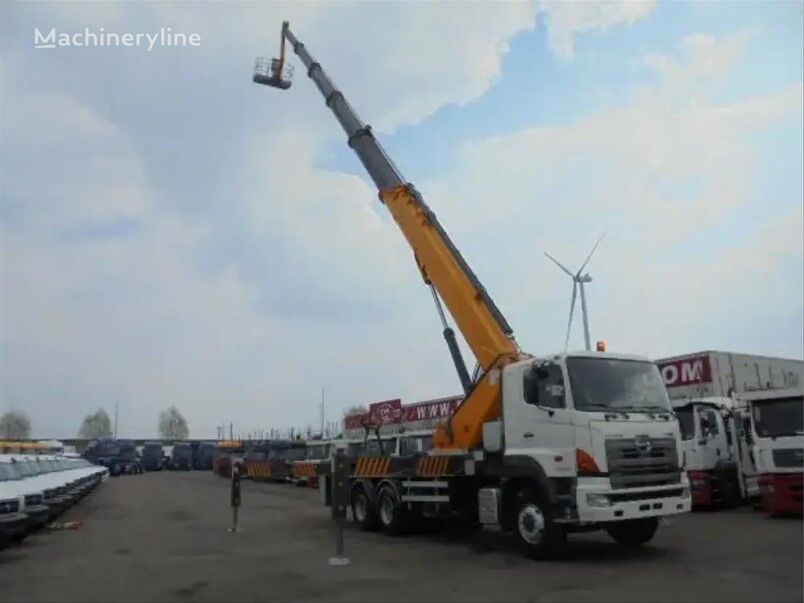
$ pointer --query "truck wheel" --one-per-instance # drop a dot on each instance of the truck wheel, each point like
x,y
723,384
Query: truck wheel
x,y
633,532
363,511
538,536
390,512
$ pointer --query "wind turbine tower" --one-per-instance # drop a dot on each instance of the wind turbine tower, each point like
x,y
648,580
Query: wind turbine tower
x,y
579,279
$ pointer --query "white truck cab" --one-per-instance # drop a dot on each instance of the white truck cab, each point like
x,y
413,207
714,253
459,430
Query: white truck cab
x,y
716,453
775,426
601,429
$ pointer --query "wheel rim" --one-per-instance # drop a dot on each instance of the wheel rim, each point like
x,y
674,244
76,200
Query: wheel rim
x,y
531,523
387,510
361,506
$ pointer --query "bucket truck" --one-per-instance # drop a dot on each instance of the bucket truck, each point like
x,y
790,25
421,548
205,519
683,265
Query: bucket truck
x,y
539,446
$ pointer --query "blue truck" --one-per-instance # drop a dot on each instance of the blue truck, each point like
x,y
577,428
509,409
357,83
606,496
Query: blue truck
x,y
119,456
203,456
182,458
152,456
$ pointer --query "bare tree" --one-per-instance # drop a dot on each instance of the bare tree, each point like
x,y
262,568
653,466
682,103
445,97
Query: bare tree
x,y
96,425
15,425
173,425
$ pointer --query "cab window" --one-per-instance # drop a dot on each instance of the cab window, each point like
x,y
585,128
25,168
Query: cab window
x,y
543,385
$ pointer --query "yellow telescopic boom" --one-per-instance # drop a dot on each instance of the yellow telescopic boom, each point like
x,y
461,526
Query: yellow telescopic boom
x,y
483,326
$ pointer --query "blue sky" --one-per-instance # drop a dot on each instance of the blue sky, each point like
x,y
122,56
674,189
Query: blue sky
x,y
173,234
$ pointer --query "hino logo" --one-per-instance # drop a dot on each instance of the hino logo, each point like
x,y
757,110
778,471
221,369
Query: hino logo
x,y
643,444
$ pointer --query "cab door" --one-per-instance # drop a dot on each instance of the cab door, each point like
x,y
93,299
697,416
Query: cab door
x,y
537,422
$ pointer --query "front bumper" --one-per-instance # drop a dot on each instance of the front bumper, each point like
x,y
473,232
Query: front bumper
x,y
597,502
38,515
781,493
12,525
701,486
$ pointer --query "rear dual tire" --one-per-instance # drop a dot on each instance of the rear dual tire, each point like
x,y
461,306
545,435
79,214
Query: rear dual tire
x,y
363,511
390,512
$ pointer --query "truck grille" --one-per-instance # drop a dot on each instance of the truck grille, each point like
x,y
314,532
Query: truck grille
x,y
642,462
788,457
9,506
32,500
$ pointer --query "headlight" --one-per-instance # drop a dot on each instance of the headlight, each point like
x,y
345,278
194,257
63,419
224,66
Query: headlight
x,y
597,500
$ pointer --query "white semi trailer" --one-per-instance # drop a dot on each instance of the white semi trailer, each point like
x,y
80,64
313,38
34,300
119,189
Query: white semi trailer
x,y
712,374
741,424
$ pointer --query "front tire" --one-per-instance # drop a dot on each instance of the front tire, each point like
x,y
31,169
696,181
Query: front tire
x,y
633,533
536,533
363,511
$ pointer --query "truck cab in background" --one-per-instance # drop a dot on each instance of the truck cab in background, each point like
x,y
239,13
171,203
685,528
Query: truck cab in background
x,y
118,456
774,423
716,452
181,457
205,456
152,456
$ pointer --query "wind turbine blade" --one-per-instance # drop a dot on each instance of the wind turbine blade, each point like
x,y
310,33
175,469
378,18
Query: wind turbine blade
x,y
559,264
589,257
572,309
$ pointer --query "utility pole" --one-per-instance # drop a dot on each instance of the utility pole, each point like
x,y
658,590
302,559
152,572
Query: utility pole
x,y
322,411
116,405
231,431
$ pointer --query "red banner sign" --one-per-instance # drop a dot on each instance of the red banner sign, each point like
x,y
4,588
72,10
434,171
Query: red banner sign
x,y
385,413
392,412
687,371
431,409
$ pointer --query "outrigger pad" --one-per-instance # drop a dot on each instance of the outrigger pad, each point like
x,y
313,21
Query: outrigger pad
x,y
267,72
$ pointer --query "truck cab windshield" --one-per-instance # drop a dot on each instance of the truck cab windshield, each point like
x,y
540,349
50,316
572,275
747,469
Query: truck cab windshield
x,y
686,422
617,385
779,418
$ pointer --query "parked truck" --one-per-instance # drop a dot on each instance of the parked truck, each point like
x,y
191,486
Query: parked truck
x,y
152,456
205,454
119,456
711,374
716,451
775,429
539,446
182,457
712,393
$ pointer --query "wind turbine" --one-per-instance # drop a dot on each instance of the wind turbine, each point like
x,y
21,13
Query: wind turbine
x,y
578,281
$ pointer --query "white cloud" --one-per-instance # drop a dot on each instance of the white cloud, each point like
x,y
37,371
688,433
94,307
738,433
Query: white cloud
x,y
566,19
659,173
389,58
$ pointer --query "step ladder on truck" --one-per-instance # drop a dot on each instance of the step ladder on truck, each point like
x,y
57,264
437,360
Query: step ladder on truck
x,y
539,446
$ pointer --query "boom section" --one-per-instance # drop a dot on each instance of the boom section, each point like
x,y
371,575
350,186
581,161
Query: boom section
x,y
483,326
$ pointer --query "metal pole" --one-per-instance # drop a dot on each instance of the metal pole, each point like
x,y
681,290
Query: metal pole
x,y
585,318
322,411
338,474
